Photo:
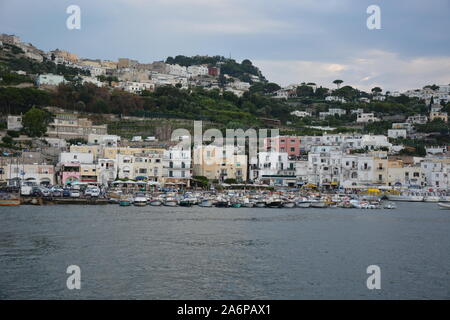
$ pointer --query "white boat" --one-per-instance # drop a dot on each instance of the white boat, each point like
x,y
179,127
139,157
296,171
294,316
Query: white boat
x,y
170,202
444,205
444,199
406,197
206,204
288,204
431,197
140,200
304,204
155,202
260,204
318,204
389,206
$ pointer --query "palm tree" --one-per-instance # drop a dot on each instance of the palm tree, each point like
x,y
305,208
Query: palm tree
x,y
377,90
338,83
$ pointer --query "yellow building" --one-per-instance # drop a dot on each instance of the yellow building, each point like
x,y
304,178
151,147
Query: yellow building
x,y
89,173
439,115
96,150
218,163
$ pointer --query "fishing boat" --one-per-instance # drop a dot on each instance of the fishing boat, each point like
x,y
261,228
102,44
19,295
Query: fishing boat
x,y
155,202
8,199
124,203
236,205
389,206
185,203
205,203
222,204
140,200
260,204
288,204
275,204
303,204
444,206
318,204
248,205
170,202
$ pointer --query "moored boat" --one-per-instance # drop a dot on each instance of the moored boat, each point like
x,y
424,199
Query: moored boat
x,y
444,205
288,204
155,202
205,203
140,200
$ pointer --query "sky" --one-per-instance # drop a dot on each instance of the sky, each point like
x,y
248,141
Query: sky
x,y
291,41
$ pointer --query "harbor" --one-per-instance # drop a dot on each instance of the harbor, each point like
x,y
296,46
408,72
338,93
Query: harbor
x,y
165,252
239,196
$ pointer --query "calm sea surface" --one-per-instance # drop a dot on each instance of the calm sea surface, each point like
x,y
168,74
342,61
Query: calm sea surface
x,y
211,253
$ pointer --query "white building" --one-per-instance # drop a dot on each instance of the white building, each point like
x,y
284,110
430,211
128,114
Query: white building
x,y
49,80
397,133
103,139
366,118
301,114
14,123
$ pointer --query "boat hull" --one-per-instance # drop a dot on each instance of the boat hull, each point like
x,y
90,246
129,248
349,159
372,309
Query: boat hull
x,y
444,206
12,202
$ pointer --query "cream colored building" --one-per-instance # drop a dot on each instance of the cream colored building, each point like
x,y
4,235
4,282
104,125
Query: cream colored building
x,y
219,163
68,126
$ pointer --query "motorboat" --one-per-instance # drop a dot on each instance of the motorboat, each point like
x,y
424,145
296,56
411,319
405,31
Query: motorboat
x,y
406,197
288,204
205,203
170,202
140,200
444,205
155,202
303,204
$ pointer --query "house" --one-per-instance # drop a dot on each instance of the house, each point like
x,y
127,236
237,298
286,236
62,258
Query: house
x,y
439,115
301,114
49,80
417,119
335,99
397,133
14,123
366,118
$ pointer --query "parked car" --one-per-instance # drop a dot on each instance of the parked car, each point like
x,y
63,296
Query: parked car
x,y
66,193
45,192
36,192
75,194
92,192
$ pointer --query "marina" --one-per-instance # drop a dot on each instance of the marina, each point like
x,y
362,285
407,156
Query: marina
x,y
161,252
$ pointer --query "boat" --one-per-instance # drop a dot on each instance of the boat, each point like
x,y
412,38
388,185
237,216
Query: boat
x,y
236,205
431,197
155,202
124,203
444,198
248,205
8,199
140,200
205,204
318,204
170,202
406,197
185,203
389,206
288,204
260,204
444,205
303,204
275,204
222,204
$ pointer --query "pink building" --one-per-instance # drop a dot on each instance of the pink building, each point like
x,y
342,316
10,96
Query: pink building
x,y
288,144
70,172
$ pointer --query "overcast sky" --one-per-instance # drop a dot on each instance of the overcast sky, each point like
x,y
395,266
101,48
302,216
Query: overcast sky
x,y
290,40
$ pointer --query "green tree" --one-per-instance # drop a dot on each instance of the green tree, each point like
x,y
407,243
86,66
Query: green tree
x,y
35,122
338,83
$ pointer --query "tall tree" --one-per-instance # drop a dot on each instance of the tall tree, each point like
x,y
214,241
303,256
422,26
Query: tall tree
x,y
35,122
338,83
